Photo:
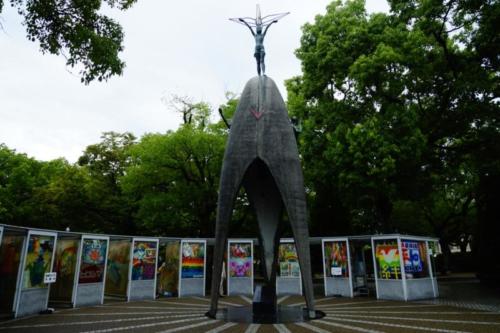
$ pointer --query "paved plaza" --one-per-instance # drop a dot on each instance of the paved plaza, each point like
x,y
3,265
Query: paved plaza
x,y
187,315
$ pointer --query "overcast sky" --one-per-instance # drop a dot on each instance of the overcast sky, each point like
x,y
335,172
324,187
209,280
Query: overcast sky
x,y
186,47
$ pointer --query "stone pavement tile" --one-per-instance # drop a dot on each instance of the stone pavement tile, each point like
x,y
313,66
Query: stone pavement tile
x,y
267,329
291,299
184,300
339,327
422,324
238,328
352,303
202,325
469,293
307,327
226,300
465,304
91,324
131,310
377,326
451,315
407,306
343,315
177,301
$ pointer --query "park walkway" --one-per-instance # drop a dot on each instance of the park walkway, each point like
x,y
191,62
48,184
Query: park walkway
x,y
466,292
366,315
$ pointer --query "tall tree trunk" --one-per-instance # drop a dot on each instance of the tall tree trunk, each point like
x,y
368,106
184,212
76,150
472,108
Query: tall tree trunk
x,y
383,206
445,248
489,228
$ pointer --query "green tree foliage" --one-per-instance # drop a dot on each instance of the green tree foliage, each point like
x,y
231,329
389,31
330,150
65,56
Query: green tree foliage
x,y
194,114
358,135
174,177
52,194
400,115
88,39
174,181
105,163
18,178
66,199
165,184
109,158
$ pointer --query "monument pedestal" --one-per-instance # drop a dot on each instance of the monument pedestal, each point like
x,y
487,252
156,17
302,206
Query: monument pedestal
x,y
264,301
265,310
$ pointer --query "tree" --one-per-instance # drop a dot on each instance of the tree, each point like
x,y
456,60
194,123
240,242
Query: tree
x,y
109,158
195,114
87,39
106,162
357,133
67,199
467,127
18,178
52,195
174,180
399,113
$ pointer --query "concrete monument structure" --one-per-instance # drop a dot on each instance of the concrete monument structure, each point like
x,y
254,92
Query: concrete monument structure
x,y
262,156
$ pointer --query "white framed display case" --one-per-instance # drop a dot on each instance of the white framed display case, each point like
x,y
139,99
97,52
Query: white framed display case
x,y
289,277
240,271
192,267
90,274
37,259
337,267
403,268
142,269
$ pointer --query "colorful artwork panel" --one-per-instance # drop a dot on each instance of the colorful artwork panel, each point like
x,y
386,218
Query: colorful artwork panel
x,y
168,272
415,259
93,260
118,267
38,260
336,261
64,266
144,260
10,257
193,260
288,260
240,260
387,259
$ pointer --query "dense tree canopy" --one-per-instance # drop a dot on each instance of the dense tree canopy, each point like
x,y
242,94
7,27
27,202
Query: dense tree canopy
x,y
163,184
400,116
89,40
52,194
174,179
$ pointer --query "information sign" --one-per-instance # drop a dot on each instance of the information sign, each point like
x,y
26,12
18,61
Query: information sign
x,y
50,277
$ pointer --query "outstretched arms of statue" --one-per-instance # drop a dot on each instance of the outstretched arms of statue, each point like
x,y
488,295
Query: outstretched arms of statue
x,y
248,25
267,28
258,27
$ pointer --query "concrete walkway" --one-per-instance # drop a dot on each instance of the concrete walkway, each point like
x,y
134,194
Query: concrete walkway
x,y
466,292
187,315
464,305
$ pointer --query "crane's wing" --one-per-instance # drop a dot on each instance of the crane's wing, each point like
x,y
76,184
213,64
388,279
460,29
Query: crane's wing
x,y
273,17
266,20
249,20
